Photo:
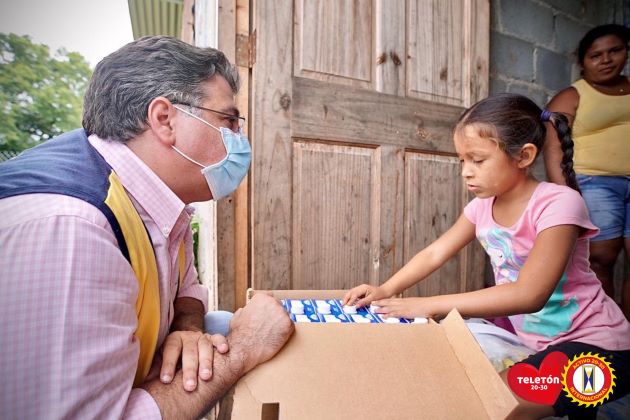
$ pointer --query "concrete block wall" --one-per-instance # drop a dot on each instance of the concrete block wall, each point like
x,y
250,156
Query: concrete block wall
x,y
532,42
532,46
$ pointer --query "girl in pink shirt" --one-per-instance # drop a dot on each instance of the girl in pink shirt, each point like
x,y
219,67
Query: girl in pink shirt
x,y
536,235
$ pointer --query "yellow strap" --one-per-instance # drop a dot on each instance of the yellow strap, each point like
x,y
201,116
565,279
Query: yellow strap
x,y
144,266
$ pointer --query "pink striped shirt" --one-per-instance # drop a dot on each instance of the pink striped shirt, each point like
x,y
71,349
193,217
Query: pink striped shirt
x,y
67,302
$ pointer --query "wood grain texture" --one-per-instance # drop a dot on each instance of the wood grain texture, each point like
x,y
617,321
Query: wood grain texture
x,y
448,50
476,50
188,22
271,173
388,258
233,250
326,111
390,49
333,41
433,199
353,172
205,36
242,250
226,223
336,215
436,35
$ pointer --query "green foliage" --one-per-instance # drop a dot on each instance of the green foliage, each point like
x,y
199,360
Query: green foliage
x,y
194,226
41,94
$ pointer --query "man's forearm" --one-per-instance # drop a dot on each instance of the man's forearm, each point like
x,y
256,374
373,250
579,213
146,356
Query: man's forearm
x,y
257,332
175,402
189,313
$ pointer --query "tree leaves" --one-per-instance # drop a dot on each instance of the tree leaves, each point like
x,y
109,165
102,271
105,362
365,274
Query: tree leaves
x,y
41,94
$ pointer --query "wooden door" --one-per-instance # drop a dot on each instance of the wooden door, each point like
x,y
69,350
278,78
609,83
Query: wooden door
x,y
352,107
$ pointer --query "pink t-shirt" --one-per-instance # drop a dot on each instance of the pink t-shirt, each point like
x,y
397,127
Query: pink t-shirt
x,y
578,309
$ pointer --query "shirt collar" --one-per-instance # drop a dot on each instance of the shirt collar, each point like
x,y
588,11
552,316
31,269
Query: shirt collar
x,y
148,190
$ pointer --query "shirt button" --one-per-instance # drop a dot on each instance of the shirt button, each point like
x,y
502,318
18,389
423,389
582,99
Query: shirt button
x,y
166,230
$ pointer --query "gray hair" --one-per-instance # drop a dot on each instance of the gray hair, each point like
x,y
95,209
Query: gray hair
x,y
125,82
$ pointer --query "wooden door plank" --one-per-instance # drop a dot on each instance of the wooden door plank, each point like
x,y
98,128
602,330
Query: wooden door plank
x,y
435,50
333,41
433,199
241,197
390,54
476,50
324,111
388,257
271,140
188,22
226,33
205,36
336,208
233,212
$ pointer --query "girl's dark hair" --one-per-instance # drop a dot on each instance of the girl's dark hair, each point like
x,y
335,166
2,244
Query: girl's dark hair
x,y
597,32
512,121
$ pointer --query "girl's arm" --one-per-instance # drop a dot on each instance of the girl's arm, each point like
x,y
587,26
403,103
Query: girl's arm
x,y
535,284
419,267
566,102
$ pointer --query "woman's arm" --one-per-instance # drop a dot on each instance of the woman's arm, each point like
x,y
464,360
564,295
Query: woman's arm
x,y
535,284
566,102
420,266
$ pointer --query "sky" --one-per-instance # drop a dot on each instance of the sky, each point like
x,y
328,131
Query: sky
x,y
93,28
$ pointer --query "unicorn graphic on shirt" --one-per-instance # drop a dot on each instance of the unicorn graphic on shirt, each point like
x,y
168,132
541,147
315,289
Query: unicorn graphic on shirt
x,y
506,263
555,317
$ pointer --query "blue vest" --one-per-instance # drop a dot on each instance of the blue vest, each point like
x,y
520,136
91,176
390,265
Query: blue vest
x,y
67,165
70,165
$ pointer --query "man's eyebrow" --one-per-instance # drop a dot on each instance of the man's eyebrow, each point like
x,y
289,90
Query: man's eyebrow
x,y
232,110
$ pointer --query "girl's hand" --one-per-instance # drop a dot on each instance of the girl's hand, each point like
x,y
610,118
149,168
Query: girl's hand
x,y
363,295
404,307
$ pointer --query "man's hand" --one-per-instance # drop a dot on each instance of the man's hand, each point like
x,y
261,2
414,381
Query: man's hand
x,y
259,330
197,353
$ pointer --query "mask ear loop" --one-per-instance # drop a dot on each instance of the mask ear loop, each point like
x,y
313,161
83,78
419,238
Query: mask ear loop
x,y
208,124
186,157
196,117
179,151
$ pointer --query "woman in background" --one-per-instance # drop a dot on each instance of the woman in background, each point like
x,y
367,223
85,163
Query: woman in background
x,y
598,109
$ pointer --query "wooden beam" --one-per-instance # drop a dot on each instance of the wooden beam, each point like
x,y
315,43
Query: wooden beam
x,y
321,110
188,22
241,199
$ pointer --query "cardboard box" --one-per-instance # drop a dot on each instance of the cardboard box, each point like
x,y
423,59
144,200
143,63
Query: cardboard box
x,y
372,371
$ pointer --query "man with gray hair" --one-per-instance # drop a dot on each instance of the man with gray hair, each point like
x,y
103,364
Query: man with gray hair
x,y
100,299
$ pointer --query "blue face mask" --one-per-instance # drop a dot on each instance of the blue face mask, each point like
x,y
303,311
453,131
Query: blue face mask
x,y
226,175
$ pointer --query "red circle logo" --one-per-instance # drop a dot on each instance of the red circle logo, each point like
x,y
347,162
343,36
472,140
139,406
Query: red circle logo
x,y
588,379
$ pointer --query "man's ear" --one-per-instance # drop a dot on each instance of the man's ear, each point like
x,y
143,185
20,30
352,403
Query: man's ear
x,y
160,117
527,155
